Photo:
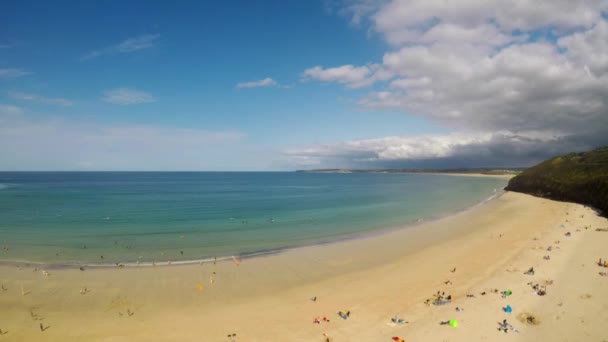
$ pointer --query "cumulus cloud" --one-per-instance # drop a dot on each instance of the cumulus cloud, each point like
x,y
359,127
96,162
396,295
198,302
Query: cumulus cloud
x,y
32,143
479,66
508,15
266,82
485,35
524,86
13,73
126,96
352,76
589,48
40,99
127,46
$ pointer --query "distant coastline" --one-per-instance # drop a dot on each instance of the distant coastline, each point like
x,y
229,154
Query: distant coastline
x,y
483,171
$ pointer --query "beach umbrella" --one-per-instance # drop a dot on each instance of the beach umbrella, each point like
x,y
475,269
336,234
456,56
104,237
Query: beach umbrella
x,y
453,323
507,309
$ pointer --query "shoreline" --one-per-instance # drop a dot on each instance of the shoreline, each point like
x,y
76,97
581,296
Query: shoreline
x,y
375,278
265,253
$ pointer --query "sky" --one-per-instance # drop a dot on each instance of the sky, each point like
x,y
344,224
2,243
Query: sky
x,y
285,85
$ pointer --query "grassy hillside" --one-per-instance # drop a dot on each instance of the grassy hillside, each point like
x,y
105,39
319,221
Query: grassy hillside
x,y
575,177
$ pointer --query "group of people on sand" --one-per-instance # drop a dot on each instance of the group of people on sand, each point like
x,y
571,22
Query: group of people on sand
x,y
505,326
540,290
440,299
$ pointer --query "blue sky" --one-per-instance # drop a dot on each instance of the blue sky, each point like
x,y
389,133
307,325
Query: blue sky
x,y
83,69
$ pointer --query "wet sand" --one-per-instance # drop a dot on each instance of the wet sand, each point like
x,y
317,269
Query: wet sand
x,y
267,298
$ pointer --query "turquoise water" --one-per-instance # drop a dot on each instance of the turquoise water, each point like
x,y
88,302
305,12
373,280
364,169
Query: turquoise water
x,y
78,217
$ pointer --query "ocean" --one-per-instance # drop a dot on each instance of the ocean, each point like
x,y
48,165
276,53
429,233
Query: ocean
x,y
143,217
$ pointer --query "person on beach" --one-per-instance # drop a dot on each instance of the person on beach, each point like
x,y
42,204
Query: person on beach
x,y
504,326
397,320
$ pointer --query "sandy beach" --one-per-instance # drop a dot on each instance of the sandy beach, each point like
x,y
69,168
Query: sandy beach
x,y
484,250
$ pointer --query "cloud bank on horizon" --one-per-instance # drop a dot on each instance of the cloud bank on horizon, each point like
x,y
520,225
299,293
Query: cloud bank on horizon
x,y
517,82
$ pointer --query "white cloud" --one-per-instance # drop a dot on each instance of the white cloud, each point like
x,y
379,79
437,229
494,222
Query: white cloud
x,y
507,14
350,75
40,99
127,46
589,48
524,86
13,73
266,82
408,83
126,96
10,110
357,10
484,66
34,143
481,149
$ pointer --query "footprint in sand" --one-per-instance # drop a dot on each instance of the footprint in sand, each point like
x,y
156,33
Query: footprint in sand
x,y
120,304
585,296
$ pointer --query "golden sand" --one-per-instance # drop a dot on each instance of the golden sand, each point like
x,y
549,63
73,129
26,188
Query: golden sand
x,y
376,278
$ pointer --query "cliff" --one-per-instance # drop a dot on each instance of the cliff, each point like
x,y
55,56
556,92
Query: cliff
x,y
575,177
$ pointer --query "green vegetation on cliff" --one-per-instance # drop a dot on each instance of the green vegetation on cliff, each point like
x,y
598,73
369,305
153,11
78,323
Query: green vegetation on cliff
x,y
575,177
